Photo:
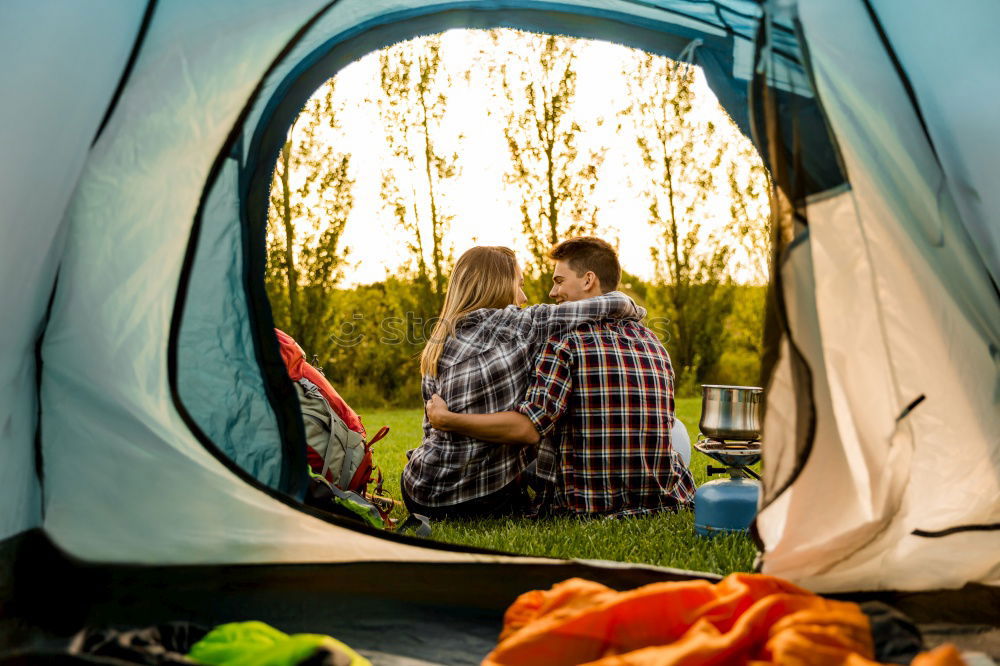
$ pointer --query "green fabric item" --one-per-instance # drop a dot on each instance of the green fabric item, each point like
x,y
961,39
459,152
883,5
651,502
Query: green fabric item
x,y
367,513
259,644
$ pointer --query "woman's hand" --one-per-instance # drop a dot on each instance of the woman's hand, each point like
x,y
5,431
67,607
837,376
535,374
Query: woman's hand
x,y
437,413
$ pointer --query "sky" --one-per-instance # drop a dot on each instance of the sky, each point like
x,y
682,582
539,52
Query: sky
x,y
485,211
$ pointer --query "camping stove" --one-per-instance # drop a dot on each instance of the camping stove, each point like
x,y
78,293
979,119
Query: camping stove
x,y
727,505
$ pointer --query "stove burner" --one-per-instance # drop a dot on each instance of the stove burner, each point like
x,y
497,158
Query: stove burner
x,y
737,456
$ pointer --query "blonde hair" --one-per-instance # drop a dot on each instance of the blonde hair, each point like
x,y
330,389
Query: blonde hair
x,y
483,278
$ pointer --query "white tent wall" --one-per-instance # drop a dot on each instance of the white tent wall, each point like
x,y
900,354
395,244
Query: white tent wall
x,y
892,330
802,533
62,64
126,481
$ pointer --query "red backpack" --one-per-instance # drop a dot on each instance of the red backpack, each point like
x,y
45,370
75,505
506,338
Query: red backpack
x,y
336,445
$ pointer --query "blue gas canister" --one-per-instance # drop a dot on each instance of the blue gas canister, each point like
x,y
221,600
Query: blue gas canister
x,y
727,505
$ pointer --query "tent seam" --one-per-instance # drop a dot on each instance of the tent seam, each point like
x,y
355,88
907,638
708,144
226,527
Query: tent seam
x,y
140,38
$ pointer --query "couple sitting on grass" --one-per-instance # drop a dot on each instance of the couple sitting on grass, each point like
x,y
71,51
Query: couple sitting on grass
x,y
573,400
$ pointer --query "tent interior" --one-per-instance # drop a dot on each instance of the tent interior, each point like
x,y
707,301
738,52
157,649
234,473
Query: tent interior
x,y
152,463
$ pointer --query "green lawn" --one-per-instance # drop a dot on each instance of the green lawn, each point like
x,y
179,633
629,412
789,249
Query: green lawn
x,y
665,540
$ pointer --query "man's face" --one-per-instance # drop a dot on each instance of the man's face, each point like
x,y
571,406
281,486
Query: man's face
x,y
568,286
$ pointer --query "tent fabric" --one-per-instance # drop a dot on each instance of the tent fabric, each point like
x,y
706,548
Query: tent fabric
x,y
392,612
217,366
52,105
135,202
170,436
957,109
897,473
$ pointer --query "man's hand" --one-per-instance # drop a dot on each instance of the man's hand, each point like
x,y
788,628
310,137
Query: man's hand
x,y
437,413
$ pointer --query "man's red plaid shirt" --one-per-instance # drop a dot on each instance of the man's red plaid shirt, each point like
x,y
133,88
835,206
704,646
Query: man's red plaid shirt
x,y
603,402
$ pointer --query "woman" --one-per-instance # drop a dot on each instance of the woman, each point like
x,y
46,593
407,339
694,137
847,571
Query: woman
x,y
480,359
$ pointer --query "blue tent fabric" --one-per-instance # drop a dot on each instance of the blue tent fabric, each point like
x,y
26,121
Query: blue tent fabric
x,y
51,110
218,372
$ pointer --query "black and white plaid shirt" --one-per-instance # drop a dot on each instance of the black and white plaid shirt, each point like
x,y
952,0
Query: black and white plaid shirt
x,y
487,367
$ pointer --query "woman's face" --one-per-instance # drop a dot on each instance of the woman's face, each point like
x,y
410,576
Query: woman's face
x,y
519,297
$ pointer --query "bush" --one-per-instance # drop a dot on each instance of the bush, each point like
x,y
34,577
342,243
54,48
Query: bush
x,y
370,342
738,367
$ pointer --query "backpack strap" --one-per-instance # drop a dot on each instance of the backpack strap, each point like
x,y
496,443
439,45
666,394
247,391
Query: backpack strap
x,y
382,432
367,471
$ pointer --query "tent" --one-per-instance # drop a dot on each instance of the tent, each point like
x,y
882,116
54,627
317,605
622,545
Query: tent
x,y
150,444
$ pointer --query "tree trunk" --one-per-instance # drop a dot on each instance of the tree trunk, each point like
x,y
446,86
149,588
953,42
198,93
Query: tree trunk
x,y
286,219
436,236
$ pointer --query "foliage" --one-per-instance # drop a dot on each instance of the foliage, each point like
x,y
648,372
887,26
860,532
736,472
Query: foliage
x,y
370,348
684,157
743,332
555,182
750,208
375,341
412,107
311,198
681,155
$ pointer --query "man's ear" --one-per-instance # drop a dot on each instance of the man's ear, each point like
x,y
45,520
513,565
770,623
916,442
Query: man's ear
x,y
590,280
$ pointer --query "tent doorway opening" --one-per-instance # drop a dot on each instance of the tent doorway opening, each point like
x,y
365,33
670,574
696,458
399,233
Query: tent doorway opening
x,y
413,153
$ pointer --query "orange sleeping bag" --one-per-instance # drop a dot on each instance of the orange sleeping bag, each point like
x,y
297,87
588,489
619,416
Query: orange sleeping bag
x,y
743,619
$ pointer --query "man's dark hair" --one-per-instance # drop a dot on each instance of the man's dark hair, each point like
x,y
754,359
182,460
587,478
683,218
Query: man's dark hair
x,y
586,253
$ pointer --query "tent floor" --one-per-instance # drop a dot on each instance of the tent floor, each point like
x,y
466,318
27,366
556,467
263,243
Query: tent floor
x,y
397,614
968,617
388,634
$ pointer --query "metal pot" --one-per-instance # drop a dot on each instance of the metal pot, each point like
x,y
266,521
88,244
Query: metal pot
x,y
730,412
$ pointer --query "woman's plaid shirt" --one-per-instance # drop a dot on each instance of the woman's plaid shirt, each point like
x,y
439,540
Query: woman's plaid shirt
x,y
603,399
487,367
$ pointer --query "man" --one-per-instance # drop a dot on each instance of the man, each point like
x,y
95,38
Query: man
x,y
602,400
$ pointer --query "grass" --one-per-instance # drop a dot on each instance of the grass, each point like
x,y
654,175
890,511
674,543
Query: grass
x,y
666,540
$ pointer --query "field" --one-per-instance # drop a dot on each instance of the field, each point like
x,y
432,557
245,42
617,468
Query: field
x,y
665,540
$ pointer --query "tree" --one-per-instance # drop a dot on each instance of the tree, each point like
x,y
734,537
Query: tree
x,y
750,211
682,155
412,107
554,180
311,198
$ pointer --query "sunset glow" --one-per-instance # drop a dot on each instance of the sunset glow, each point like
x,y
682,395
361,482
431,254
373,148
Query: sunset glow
x,y
485,210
